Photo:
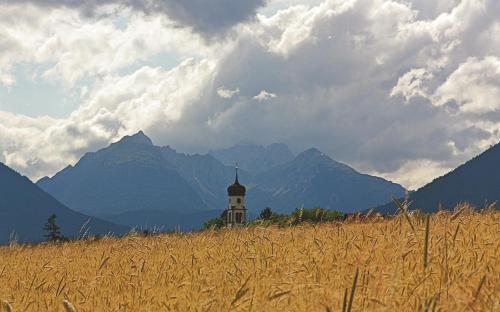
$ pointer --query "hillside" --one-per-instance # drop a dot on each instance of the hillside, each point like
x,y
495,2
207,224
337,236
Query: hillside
x,y
24,209
476,182
314,179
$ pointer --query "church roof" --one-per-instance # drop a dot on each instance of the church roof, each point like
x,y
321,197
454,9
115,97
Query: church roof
x,y
236,189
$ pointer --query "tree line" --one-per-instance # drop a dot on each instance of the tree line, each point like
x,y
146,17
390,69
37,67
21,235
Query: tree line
x,y
268,217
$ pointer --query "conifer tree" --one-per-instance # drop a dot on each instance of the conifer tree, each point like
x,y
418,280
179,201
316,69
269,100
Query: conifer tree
x,y
52,229
266,214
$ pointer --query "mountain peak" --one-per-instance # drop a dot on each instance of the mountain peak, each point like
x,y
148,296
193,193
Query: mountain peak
x,y
312,153
313,156
138,138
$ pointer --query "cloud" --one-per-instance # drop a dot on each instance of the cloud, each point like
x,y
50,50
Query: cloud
x,y
72,48
412,84
359,79
404,89
474,86
264,96
413,174
227,93
208,18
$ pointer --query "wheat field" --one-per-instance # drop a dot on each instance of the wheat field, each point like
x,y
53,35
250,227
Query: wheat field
x,y
402,264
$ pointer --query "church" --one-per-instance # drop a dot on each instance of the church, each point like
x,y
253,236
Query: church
x,y
236,213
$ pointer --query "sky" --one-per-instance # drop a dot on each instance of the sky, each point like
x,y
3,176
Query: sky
x,y
403,89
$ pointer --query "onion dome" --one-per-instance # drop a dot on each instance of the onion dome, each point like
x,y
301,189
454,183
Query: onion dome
x,y
236,189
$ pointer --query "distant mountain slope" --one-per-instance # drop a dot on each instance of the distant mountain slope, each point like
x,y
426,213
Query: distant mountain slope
x,y
130,175
24,209
208,176
314,179
254,158
477,181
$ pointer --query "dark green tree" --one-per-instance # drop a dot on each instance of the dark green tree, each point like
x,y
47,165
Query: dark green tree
x,y
52,229
266,214
216,223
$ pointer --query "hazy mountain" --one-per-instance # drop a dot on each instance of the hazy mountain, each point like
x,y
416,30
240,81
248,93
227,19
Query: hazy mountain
x,y
314,179
254,158
130,175
208,176
24,209
136,183
477,182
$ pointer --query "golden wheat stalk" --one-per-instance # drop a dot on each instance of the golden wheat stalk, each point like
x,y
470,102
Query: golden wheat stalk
x,y
6,307
353,289
403,207
344,302
426,242
68,306
456,214
241,291
478,290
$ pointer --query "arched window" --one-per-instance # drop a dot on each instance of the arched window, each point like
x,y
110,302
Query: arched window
x,y
238,200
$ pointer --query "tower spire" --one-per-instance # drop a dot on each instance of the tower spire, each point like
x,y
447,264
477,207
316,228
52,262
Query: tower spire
x,y
236,169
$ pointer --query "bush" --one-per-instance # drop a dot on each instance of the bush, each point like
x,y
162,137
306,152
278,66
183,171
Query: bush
x,y
280,219
215,223
314,215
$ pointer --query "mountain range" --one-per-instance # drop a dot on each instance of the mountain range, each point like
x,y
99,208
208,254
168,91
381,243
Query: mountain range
x,y
25,208
314,179
136,183
476,182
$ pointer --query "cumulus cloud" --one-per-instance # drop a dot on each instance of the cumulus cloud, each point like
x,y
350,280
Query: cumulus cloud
x,y
367,75
77,48
404,89
264,96
474,86
412,84
225,93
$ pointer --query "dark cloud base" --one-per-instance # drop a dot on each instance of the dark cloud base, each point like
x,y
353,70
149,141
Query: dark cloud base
x,y
207,17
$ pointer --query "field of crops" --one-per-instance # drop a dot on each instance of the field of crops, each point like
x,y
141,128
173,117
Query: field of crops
x,y
402,264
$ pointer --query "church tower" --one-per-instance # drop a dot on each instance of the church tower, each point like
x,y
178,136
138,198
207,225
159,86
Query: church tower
x,y
236,213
